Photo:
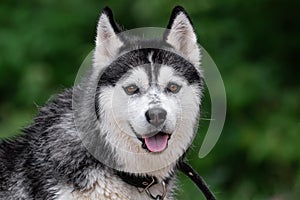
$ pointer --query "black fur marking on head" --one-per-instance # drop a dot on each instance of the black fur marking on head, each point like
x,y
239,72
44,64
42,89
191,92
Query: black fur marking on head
x,y
117,69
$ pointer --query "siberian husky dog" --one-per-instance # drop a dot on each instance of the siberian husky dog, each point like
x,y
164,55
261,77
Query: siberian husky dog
x,y
120,133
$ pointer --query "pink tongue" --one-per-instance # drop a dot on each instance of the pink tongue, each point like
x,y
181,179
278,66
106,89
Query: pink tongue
x,y
157,142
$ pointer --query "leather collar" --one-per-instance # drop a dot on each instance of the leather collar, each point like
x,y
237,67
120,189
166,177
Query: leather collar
x,y
145,182
137,180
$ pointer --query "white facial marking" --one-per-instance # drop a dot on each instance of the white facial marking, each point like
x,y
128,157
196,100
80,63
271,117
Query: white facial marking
x,y
124,116
152,65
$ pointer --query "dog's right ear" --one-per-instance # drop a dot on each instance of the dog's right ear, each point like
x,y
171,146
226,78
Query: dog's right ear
x,y
107,40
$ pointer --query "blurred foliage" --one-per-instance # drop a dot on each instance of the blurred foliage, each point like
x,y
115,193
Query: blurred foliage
x,y
254,43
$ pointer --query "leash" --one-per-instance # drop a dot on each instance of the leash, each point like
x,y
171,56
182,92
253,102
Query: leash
x,y
196,178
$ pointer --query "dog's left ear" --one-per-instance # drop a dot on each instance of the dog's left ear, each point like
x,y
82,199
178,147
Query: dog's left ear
x,y
107,41
182,37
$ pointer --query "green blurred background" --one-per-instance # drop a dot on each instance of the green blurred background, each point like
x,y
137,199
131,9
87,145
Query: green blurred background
x,y
254,43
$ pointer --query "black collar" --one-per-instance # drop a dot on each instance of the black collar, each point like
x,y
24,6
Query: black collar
x,y
147,181
137,180
142,181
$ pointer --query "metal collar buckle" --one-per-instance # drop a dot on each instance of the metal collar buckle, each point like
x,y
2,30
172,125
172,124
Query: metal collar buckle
x,y
158,197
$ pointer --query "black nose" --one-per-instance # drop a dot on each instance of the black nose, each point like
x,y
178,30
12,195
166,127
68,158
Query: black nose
x,y
156,116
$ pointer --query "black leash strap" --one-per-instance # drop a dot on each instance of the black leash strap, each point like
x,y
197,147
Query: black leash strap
x,y
196,178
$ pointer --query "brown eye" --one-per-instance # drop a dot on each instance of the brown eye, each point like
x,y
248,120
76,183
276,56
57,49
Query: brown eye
x,y
173,87
131,89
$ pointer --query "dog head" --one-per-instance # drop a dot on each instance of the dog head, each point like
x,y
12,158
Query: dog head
x,y
148,92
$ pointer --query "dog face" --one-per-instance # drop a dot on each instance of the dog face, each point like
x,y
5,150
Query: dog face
x,y
148,98
154,99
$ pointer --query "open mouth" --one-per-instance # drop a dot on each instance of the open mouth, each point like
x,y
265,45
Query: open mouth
x,y
156,143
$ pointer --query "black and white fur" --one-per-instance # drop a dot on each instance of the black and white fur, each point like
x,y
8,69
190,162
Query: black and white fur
x,y
59,159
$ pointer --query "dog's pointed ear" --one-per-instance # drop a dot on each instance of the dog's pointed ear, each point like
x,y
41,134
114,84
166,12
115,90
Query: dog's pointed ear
x,y
182,37
107,40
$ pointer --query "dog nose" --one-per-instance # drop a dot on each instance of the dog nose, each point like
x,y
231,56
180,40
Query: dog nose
x,y
156,116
